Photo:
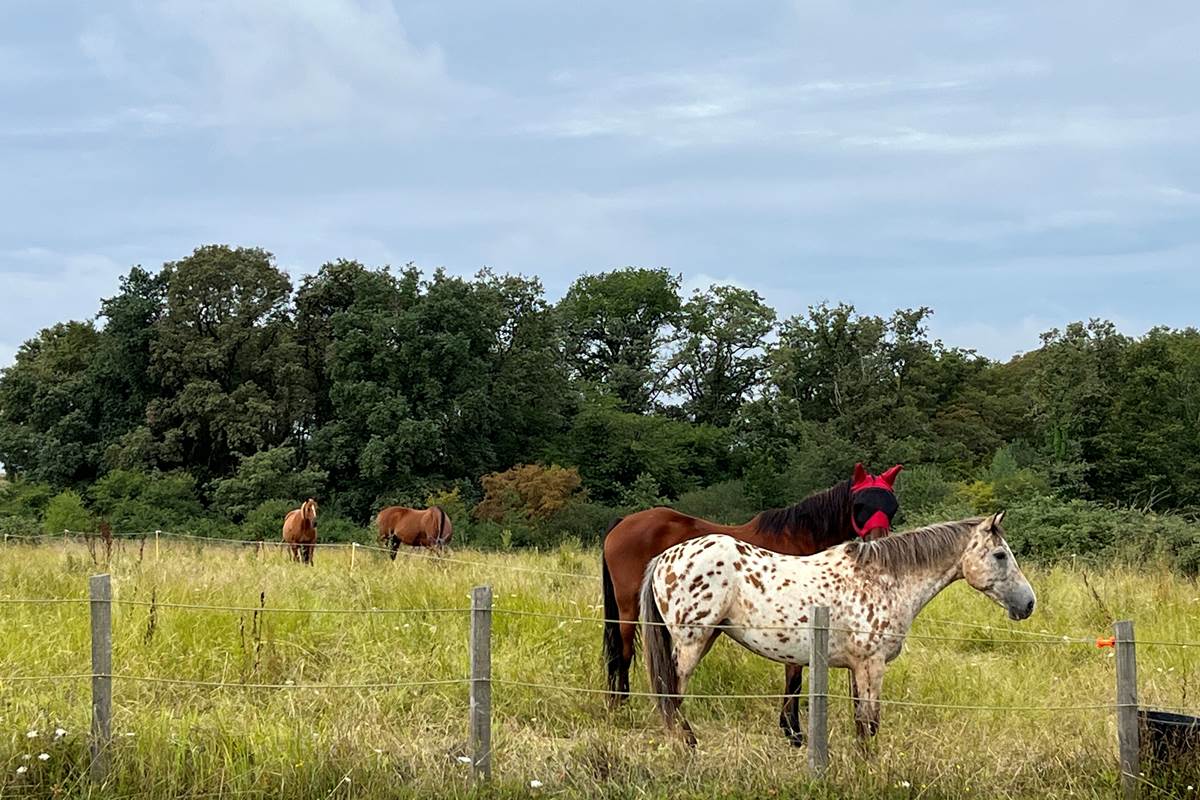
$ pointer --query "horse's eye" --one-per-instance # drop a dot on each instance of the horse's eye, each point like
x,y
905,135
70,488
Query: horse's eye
x,y
1000,556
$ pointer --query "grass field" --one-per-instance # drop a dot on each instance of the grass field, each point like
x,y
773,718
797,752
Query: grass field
x,y
188,741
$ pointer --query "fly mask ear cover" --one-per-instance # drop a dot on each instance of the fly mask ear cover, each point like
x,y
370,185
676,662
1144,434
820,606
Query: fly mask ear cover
x,y
874,500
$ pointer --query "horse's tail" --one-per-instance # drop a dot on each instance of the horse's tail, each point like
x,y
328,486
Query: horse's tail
x,y
614,650
658,649
441,526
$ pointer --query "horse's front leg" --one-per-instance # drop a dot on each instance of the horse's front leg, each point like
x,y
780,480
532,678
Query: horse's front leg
x,y
789,716
867,686
395,544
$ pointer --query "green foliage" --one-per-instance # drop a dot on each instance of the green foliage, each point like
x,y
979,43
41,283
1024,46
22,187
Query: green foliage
x,y
922,487
22,498
642,493
724,502
721,352
139,501
614,325
612,448
65,512
208,388
269,474
265,521
585,522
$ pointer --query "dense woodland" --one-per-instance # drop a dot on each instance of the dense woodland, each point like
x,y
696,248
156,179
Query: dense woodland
x,y
212,394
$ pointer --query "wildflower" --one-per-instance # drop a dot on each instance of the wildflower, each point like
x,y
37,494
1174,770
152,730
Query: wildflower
x,y
535,784
904,784
31,735
21,770
378,751
26,757
464,759
59,733
43,756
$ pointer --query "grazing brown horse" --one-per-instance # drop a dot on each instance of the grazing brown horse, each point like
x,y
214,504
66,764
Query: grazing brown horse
x,y
427,527
863,507
300,531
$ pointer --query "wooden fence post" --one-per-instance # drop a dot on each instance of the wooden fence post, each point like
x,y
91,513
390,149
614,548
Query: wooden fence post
x,y
353,550
481,682
1127,709
818,691
156,533
100,591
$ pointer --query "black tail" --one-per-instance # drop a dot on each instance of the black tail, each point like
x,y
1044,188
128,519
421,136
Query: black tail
x,y
614,650
658,649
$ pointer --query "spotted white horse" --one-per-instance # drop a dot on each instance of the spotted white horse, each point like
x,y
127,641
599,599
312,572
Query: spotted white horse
x,y
716,584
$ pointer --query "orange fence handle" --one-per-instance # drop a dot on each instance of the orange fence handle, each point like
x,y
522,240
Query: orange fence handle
x,y
1106,641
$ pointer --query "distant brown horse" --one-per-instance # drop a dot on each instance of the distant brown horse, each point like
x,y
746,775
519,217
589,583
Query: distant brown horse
x,y
863,507
300,531
415,527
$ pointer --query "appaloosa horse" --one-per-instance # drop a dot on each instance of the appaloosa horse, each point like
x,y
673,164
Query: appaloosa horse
x,y
698,590
862,506
300,531
426,527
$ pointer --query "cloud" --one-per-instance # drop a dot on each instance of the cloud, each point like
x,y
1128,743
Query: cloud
x,y
310,62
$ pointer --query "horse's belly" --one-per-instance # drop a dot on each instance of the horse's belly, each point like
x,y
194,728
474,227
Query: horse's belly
x,y
784,646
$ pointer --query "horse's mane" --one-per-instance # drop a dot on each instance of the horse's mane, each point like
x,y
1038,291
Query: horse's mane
x,y
823,512
916,549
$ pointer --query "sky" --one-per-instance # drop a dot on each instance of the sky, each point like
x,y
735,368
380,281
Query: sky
x,y
1014,166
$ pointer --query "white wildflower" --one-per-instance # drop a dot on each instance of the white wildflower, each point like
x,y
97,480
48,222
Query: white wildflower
x,y
31,735
26,757
904,784
21,770
59,733
464,759
535,784
43,756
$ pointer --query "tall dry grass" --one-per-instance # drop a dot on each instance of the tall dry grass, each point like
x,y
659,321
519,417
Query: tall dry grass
x,y
187,741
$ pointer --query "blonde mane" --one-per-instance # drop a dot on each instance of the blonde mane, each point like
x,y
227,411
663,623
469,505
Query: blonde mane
x,y
916,549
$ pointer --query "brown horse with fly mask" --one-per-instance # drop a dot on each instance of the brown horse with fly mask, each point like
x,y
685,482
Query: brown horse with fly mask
x,y
862,507
300,531
427,527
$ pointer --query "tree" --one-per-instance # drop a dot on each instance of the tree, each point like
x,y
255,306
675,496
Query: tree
x,y
50,414
226,360
720,356
614,327
1072,389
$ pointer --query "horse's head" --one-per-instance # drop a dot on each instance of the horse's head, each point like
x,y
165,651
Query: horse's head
x,y
309,511
988,566
873,502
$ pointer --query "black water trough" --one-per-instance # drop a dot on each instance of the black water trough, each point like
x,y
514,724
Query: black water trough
x,y
1169,738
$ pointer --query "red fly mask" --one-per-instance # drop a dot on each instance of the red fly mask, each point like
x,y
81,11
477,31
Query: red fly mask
x,y
874,503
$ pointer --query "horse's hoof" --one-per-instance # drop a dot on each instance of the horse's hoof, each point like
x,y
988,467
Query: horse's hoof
x,y
797,739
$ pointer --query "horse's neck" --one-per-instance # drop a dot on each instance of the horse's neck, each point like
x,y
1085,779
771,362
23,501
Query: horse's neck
x,y
917,588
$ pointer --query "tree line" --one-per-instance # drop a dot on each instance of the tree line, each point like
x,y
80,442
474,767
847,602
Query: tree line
x,y
213,386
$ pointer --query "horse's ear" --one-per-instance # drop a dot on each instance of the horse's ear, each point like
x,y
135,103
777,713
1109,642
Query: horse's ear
x,y
994,522
860,474
889,476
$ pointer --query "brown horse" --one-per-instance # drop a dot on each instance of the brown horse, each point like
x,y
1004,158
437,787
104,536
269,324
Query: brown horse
x,y
300,531
428,527
863,506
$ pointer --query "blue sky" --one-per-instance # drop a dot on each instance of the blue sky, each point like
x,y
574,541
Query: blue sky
x,y
1015,166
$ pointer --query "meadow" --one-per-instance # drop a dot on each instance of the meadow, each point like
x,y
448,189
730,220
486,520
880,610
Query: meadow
x,y
183,740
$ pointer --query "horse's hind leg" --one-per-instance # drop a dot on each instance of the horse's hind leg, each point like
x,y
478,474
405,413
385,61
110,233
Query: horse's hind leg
x,y
789,716
688,652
